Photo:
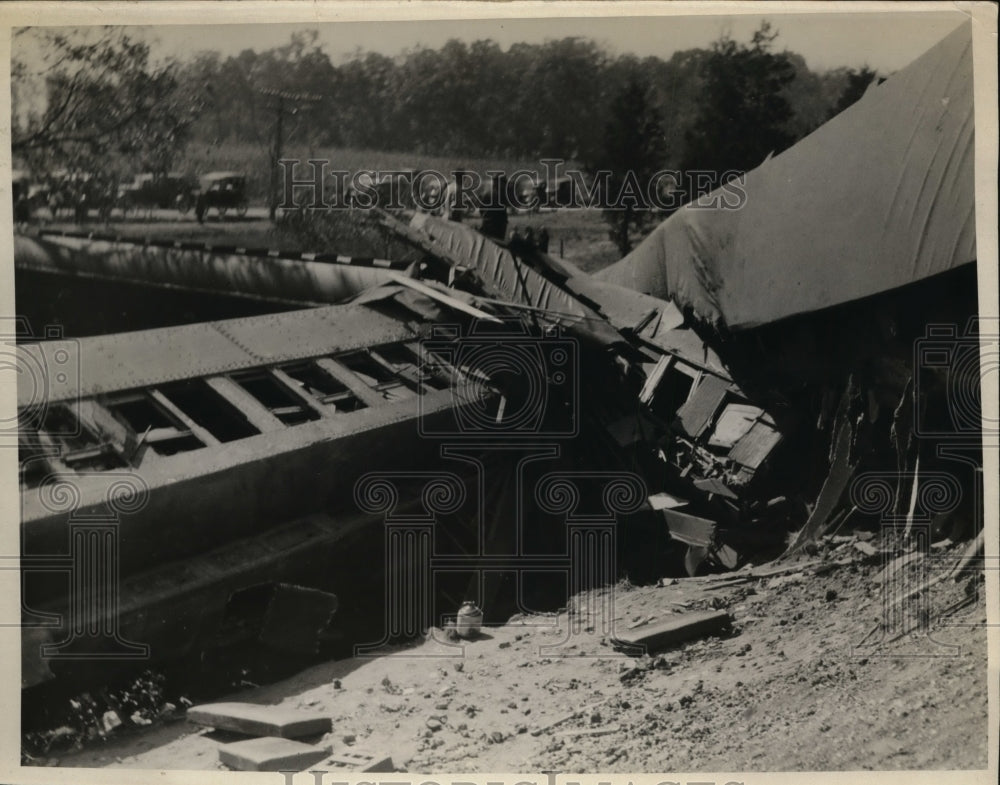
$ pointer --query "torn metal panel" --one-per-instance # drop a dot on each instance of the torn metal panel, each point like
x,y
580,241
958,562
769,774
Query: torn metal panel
x,y
689,529
656,637
649,319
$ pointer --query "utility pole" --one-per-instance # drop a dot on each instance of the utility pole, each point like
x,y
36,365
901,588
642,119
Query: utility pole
x,y
277,147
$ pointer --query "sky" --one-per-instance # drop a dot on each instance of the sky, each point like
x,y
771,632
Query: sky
x,y
883,41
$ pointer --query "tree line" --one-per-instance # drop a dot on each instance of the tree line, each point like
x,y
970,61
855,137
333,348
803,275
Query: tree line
x,y
526,102
470,99
724,108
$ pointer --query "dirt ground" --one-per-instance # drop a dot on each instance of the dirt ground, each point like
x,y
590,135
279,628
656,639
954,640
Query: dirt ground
x,y
806,680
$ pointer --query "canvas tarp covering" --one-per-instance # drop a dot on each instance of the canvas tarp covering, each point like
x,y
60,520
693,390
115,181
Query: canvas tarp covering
x,y
880,196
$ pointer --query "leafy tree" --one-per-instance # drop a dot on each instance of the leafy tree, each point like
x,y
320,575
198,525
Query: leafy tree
x,y
744,114
99,96
858,82
633,150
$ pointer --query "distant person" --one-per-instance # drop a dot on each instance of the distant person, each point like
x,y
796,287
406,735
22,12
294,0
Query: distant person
x,y
494,212
542,240
452,209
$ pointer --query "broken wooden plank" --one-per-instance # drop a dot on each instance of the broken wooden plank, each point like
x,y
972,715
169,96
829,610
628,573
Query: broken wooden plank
x,y
766,572
256,720
726,584
445,299
602,731
673,631
655,375
971,552
271,753
890,570
567,717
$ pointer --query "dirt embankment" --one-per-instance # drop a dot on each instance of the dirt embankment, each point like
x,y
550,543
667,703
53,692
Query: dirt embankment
x,y
807,680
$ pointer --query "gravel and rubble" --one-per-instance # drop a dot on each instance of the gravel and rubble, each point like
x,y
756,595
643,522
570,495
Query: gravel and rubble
x,y
800,681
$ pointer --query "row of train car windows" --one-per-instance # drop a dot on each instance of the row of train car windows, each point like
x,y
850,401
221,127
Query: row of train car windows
x,y
188,415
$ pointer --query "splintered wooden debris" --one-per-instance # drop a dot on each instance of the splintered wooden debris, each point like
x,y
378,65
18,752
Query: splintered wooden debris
x,y
655,637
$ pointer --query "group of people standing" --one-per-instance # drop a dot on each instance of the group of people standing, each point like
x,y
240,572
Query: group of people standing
x,y
494,212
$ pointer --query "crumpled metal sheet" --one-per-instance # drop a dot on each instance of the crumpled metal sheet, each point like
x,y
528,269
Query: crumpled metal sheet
x,y
660,321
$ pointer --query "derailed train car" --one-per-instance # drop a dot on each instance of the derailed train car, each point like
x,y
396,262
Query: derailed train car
x,y
750,366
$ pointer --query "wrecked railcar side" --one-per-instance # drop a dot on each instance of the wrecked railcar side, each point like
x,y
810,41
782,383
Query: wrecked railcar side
x,y
655,366
179,474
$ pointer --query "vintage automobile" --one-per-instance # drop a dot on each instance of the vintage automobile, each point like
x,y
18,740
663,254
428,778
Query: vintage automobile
x,y
80,193
539,192
149,190
223,191
388,190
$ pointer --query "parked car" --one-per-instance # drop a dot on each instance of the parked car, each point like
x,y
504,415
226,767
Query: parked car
x,y
388,190
548,193
223,191
80,193
148,190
